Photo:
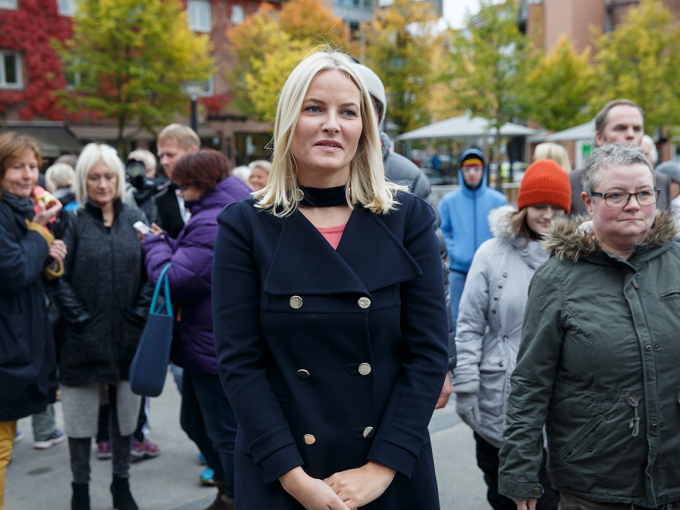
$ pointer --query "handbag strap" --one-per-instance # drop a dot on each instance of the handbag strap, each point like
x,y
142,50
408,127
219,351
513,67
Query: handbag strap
x,y
162,281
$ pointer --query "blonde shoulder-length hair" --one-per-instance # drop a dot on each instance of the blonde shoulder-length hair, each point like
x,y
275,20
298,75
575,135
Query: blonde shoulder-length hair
x,y
366,185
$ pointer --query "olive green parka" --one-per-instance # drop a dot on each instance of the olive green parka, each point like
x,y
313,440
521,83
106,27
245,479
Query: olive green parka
x,y
599,366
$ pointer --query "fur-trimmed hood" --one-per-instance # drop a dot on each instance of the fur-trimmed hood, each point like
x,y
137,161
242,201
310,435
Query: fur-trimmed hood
x,y
499,219
499,223
572,239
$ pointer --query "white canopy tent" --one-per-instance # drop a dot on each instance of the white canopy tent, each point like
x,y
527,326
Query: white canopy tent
x,y
583,132
464,127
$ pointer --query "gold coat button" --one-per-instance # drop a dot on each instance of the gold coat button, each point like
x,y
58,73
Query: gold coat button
x,y
295,302
310,439
364,302
303,374
364,369
368,432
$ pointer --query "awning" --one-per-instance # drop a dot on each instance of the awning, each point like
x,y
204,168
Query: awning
x,y
109,133
55,138
464,127
583,132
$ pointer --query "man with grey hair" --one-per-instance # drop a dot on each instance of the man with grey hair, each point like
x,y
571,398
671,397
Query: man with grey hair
x,y
622,121
672,170
649,147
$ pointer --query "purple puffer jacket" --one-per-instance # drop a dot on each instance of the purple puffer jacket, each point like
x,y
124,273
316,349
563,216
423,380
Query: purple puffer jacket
x,y
189,277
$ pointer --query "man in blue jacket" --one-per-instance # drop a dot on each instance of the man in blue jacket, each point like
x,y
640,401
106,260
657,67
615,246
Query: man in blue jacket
x,y
465,225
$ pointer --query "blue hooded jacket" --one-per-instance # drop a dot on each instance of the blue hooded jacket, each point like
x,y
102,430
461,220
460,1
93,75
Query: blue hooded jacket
x,y
464,217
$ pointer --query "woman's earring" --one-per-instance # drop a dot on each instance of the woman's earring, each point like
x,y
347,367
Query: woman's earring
x,y
299,195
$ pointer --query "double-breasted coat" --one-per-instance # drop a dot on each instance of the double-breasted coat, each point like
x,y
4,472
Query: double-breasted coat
x,y
331,358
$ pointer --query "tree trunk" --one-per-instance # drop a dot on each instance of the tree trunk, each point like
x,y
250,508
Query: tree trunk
x,y
497,150
121,145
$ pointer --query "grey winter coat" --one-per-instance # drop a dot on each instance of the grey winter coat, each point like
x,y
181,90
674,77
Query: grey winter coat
x,y
403,171
490,320
104,296
600,336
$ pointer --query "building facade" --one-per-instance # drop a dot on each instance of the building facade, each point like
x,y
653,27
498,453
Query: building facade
x,y
30,71
547,20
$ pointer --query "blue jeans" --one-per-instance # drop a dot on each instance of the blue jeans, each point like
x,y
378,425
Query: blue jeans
x,y
44,424
209,421
456,286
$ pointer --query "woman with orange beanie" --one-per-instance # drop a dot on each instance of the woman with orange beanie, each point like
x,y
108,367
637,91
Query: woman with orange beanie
x,y
491,311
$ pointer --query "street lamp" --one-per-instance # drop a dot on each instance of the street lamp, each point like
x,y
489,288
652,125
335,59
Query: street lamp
x,y
193,89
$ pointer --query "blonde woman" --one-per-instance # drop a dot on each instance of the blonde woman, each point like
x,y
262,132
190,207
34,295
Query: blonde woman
x,y
60,178
329,312
555,152
104,301
259,174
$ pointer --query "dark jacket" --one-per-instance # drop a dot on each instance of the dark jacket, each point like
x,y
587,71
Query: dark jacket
x,y
331,358
191,255
403,171
166,210
103,296
28,379
464,217
578,208
600,336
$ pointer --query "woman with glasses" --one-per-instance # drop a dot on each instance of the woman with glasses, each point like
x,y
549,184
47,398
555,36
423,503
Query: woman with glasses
x,y
598,361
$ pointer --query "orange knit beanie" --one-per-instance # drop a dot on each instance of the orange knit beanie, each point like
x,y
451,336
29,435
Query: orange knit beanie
x,y
545,182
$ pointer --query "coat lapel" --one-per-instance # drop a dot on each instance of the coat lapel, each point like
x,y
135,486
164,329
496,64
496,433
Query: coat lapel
x,y
368,257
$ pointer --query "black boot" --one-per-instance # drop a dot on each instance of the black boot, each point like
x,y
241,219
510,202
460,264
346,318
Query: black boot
x,y
81,496
122,499
222,501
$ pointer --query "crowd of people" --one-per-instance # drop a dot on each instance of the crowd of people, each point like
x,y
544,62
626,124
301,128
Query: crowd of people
x,y
324,305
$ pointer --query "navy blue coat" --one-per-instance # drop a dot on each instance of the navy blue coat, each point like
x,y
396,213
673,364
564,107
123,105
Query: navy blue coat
x,y
28,370
297,327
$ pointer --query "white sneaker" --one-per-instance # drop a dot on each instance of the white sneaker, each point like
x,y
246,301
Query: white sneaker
x,y
19,437
57,437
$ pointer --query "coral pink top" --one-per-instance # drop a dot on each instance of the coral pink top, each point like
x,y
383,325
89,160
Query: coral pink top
x,y
333,234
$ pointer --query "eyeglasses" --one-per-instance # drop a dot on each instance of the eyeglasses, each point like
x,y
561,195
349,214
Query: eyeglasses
x,y
473,169
182,187
618,199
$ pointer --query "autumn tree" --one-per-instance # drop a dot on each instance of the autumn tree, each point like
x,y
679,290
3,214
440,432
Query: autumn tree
x,y
270,43
399,43
127,59
561,86
640,61
489,65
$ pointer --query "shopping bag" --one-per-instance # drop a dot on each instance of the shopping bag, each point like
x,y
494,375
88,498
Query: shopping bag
x,y
149,367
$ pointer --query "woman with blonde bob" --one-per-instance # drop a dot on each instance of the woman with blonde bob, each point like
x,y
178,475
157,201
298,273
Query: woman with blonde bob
x,y
104,298
555,152
329,312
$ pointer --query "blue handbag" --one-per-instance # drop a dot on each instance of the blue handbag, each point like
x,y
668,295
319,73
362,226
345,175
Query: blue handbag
x,y
149,367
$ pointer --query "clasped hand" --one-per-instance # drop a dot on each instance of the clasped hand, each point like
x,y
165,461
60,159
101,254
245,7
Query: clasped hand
x,y
358,487
346,490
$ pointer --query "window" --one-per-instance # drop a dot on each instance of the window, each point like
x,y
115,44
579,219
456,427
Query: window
x,y
238,14
66,7
208,88
10,70
199,15
8,4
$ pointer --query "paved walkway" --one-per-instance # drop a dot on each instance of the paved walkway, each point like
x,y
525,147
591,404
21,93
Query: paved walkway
x,y
39,480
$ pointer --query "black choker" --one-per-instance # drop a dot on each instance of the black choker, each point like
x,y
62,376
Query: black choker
x,y
323,197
